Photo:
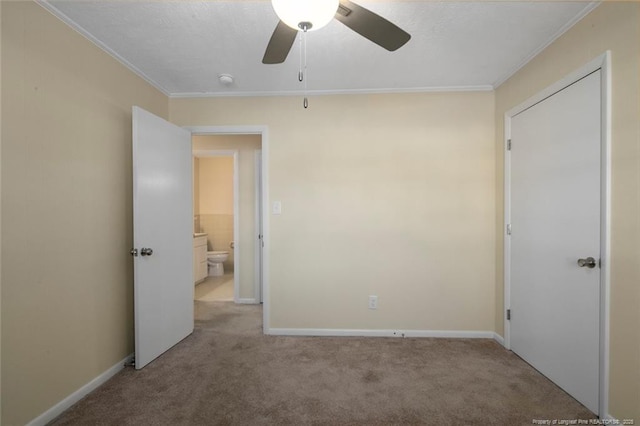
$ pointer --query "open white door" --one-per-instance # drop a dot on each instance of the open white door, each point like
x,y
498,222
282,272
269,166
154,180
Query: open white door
x,y
162,235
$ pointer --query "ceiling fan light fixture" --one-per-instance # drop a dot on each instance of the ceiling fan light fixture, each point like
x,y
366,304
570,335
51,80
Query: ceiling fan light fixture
x,y
297,13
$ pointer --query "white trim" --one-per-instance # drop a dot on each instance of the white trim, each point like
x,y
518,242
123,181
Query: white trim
x,y
340,332
584,12
76,396
264,132
226,130
369,91
593,65
257,254
247,301
506,238
603,63
236,209
237,248
86,34
498,338
605,232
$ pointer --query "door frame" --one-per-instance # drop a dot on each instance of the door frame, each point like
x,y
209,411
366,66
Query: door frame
x,y
233,153
258,223
263,131
602,63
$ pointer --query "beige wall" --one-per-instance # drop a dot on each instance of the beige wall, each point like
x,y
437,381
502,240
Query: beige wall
x,y
391,195
612,26
215,181
67,305
216,185
246,146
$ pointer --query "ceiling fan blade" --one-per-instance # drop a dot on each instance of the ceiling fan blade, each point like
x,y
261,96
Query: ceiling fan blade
x,y
280,44
371,26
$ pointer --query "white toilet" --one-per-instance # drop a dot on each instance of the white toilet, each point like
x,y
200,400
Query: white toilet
x,y
214,261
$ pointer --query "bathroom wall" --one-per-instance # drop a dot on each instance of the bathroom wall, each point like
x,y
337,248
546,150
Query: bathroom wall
x,y
246,145
215,213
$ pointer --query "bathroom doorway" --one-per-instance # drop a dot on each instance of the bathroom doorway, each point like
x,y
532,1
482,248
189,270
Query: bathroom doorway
x,y
216,224
227,197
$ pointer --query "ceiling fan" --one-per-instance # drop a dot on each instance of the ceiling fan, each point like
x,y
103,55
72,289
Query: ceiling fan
x,y
310,15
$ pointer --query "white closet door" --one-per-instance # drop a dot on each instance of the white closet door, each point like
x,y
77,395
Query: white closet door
x,y
555,220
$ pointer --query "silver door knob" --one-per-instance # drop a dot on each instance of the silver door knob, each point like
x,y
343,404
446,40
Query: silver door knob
x,y
589,262
145,251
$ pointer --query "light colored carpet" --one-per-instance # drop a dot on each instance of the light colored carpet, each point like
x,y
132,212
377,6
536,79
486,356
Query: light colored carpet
x,y
228,373
215,289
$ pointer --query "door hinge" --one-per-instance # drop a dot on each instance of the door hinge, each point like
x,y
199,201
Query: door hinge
x,y
508,144
508,229
508,314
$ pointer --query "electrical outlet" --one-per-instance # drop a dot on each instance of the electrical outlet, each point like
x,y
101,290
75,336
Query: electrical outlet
x,y
373,302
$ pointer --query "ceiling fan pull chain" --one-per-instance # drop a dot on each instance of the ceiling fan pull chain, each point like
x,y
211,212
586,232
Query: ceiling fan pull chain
x,y
305,103
300,74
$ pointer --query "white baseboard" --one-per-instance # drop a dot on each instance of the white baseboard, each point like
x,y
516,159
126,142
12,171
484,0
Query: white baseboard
x,y
76,396
498,338
247,301
338,332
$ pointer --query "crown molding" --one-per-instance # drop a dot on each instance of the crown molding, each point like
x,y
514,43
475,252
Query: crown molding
x,y
86,34
479,88
584,12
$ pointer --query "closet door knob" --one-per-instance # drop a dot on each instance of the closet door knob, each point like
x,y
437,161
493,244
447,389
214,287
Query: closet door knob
x,y
589,262
145,251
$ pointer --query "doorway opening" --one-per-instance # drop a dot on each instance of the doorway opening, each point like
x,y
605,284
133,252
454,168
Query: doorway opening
x,y
244,233
216,220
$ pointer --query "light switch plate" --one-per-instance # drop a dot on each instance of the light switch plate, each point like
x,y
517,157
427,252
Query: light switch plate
x,y
373,302
277,207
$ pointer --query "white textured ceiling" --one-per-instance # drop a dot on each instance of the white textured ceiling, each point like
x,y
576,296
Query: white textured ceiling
x,y
182,46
